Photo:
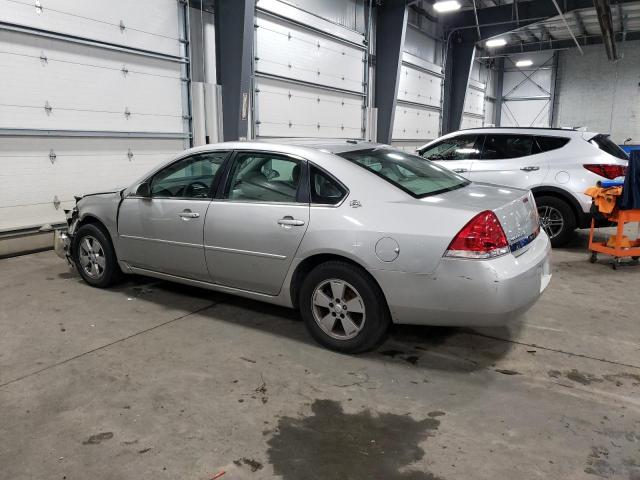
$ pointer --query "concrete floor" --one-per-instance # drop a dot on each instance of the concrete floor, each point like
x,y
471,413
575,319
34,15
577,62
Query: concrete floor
x,y
154,380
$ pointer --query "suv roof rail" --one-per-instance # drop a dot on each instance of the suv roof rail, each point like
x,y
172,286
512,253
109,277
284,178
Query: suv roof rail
x,y
572,129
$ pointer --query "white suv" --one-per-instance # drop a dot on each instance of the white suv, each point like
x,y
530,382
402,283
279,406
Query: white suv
x,y
556,164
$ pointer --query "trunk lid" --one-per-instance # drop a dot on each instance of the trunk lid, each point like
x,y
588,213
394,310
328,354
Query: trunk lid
x,y
515,208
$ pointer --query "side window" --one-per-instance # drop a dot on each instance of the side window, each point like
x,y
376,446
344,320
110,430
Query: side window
x,y
324,189
463,147
191,177
546,144
264,177
498,147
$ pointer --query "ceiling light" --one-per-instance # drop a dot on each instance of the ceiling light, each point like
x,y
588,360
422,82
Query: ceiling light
x,y
524,63
496,42
446,6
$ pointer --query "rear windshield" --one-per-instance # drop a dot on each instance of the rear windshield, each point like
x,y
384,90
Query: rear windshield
x,y
415,175
604,143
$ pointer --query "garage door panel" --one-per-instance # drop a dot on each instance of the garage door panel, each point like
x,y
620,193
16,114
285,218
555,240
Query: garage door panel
x,y
287,110
415,123
469,121
474,101
148,24
527,84
418,86
81,165
525,113
286,50
86,87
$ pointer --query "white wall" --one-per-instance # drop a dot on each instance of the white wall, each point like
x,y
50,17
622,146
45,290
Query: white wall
x,y
600,95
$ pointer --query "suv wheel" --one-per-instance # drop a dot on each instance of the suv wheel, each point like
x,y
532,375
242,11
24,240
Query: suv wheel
x,y
94,257
343,308
556,218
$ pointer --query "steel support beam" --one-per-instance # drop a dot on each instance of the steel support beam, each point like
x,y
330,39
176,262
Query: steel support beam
x,y
390,32
234,38
497,113
603,9
458,67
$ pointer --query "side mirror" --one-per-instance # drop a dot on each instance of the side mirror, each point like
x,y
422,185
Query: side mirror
x,y
143,190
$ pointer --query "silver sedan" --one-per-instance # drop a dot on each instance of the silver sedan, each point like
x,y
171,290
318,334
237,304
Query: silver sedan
x,y
355,235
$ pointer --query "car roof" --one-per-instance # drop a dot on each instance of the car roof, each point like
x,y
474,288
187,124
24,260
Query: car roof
x,y
529,130
333,146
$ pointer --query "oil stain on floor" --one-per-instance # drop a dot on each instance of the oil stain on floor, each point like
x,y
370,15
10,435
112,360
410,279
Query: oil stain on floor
x,y
333,444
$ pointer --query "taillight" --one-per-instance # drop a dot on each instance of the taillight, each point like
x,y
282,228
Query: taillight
x,y
607,171
482,237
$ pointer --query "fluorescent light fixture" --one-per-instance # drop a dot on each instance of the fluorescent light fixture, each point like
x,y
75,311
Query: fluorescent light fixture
x,y
446,6
524,63
496,42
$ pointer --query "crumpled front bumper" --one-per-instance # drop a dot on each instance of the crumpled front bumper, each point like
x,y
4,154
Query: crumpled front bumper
x,y
63,238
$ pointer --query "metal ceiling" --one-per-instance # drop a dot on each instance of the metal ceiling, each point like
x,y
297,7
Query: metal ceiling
x,y
583,23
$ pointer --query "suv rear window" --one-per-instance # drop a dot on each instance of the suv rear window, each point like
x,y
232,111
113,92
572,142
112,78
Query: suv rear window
x,y
546,144
604,143
412,174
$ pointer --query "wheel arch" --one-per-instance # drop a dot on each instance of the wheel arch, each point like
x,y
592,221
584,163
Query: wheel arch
x,y
90,219
549,191
311,262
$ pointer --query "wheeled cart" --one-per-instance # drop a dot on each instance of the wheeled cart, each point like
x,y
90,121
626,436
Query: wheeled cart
x,y
621,217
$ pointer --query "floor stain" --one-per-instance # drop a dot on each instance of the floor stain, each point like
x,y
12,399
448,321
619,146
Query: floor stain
x,y
98,438
253,465
583,378
598,463
391,353
507,372
333,444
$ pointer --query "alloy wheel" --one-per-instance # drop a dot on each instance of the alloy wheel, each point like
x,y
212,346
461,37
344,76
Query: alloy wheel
x,y
91,255
551,220
338,309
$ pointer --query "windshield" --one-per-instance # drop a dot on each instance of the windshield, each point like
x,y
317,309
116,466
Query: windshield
x,y
410,173
604,143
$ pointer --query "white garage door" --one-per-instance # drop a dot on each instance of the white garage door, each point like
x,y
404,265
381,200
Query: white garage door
x,y
417,114
526,92
474,105
308,82
93,95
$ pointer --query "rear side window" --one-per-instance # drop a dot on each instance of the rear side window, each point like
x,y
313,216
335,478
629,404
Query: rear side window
x,y
410,173
546,144
324,189
498,147
604,143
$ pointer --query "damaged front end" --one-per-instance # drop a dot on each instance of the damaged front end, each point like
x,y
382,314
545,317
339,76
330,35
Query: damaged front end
x,y
63,238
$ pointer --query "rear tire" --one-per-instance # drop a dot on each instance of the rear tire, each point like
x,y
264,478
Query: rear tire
x,y
557,219
94,257
343,308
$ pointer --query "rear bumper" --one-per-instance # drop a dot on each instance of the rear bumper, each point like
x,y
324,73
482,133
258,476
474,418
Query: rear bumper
x,y
469,292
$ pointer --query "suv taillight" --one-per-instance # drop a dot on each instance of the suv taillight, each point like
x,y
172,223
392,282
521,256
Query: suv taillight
x,y
482,237
607,171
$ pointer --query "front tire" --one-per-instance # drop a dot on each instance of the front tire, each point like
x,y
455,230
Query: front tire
x,y
343,308
94,257
556,219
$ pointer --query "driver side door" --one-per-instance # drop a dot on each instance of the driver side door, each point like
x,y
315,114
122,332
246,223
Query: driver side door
x,y
457,154
163,232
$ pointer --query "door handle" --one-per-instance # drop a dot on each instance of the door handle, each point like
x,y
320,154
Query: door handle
x,y
289,221
460,170
187,214
530,169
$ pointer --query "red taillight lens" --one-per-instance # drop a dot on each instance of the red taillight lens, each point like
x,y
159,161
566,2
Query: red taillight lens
x,y
482,237
607,171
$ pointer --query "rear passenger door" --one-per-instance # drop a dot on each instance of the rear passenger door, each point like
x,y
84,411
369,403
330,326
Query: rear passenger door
x,y
255,225
456,153
510,159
